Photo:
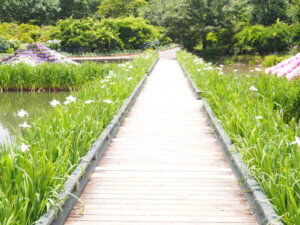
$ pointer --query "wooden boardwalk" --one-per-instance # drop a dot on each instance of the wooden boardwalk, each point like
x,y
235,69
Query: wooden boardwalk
x,y
164,166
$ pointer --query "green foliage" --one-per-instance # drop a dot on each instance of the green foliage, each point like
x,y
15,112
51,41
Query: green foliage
x,y
189,22
219,43
156,10
267,12
201,24
135,33
295,31
25,33
294,11
105,35
272,60
8,46
37,11
247,40
120,8
53,44
213,52
74,8
48,76
260,39
31,180
86,35
261,125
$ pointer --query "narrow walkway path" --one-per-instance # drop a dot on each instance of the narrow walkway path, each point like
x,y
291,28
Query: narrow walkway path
x,y
164,166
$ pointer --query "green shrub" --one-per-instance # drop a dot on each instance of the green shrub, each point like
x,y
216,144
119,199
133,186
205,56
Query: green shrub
x,y
53,44
214,51
135,33
25,33
276,38
106,35
272,60
247,40
295,30
86,35
8,46
263,40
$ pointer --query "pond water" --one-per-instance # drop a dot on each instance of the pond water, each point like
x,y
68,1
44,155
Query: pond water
x,y
34,103
240,68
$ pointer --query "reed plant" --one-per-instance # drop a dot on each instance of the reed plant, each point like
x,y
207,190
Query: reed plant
x,y
34,168
48,76
260,114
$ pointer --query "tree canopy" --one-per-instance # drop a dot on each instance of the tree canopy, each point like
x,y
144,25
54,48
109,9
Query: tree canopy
x,y
120,8
266,12
24,11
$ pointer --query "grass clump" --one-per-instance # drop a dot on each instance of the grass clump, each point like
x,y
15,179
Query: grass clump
x,y
35,167
48,76
258,113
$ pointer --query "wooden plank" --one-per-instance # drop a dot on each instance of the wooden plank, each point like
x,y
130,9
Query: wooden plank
x,y
154,196
149,201
155,212
158,219
164,166
163,174
127,184
153,223
83,208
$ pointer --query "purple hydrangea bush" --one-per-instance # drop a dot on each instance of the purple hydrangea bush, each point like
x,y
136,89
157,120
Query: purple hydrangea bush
x,y
35,54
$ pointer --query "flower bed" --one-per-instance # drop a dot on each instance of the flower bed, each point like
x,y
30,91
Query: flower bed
x,y
36,54
289,68
34,169
259,113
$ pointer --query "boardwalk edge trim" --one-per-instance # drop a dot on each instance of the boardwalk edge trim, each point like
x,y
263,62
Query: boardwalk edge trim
x,y
77,181
258,201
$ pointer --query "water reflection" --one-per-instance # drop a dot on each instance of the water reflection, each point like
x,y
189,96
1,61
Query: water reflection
x,y
12,102
240,68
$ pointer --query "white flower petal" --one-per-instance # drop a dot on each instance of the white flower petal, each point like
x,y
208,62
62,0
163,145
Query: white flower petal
x,y
71,99
24,147
54,103
89,101
24,125
252,88
67,102
22,113
258,69
107,101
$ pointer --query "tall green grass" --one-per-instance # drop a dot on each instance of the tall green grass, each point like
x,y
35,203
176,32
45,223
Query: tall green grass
x,y
31,180
48,76
262,124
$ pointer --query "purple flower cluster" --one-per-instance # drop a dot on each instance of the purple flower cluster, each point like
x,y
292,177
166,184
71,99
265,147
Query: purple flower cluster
x,y
36,54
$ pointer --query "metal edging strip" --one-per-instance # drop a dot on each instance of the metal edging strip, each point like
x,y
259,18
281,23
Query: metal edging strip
x,y
197,92
258,201
77,181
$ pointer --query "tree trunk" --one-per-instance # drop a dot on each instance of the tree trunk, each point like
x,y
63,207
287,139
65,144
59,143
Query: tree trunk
x,y
204,42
